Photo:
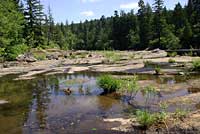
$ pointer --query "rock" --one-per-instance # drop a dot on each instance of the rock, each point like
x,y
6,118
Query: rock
x,y
3,102
28,57
20,57
52,57
156,50
157,53
10,64
89,56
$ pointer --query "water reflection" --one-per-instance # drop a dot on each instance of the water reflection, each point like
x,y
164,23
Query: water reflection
x,y
41,105
52,108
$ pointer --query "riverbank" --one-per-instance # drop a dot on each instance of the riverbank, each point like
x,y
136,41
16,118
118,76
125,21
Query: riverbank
x,y
127,62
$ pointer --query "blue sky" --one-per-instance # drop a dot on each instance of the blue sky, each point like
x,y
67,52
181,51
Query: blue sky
x,y
76,10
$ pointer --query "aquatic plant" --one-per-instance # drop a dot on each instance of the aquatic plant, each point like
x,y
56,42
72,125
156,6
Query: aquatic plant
x,y
108,83
133,87
149,93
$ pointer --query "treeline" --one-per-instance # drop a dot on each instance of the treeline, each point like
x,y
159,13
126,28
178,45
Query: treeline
x,y
151,27
23,25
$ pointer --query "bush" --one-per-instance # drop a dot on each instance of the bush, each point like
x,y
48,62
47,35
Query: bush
x,y
148,63
171,61
180,114
196,65
172,54
108,83
16,50
157,70
40,56
145,118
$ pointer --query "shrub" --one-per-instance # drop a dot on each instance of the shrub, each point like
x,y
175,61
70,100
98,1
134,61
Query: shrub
x,y
16,50
172,54
171,61
196,65
147,63
108,83
40,56
180,114
112,56
145,118
157,70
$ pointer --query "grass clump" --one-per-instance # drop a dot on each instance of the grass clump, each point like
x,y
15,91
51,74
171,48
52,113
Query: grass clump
x,y
40,56
112,56
145,118
180,113
196,65
172,61
147,63
157,70
172,54
108,83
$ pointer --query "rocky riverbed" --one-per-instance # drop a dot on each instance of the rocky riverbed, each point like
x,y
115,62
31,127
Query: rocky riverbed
x,y
129,62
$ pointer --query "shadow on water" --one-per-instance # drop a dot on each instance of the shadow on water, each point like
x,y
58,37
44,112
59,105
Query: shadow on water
x,y
42,106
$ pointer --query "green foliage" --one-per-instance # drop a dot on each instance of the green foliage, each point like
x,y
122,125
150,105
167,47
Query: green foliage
x,y
172,54
15,51
157,70
147,63
39,56
145,118
112,56
161,28
132,85
196,65
108,83
172,61
179,113
149,90
11,26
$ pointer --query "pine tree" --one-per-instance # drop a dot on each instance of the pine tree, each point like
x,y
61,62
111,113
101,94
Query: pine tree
x,y
34,18
145,19
11,41
50,24
187,36
178,19
158,7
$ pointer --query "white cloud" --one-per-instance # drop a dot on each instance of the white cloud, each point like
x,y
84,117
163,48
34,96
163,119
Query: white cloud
x,y
132,5
84,1
87,13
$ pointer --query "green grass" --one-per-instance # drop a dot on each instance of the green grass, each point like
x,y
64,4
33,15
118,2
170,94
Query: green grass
x,y
145,118
180,113
40,56
157,70
172,61
108,83
172,54
148,63
196,65
112,56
